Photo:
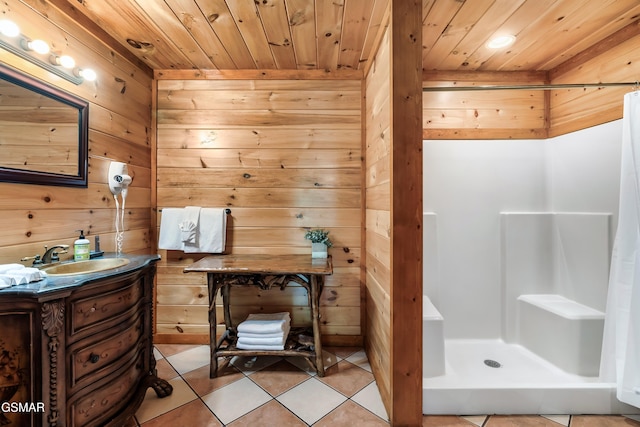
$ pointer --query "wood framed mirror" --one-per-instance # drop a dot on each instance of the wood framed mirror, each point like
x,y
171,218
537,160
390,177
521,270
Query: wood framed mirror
x,y
44,132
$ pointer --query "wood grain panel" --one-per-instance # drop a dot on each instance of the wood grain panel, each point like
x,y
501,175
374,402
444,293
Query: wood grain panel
x,y
258,138
505,114
377,116
574,109
292,166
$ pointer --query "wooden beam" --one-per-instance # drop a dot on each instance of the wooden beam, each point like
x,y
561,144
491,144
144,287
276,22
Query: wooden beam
x,y
258,74
406,213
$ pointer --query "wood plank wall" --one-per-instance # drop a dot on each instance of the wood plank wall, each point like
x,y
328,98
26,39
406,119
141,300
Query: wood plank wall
x,y
378,217
119,129
616,59
284,154
502,114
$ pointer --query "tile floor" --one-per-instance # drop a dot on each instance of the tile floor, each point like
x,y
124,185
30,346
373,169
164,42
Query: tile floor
x,y
283,392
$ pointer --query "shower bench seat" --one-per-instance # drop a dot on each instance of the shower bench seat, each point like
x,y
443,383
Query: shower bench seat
x,y
571,332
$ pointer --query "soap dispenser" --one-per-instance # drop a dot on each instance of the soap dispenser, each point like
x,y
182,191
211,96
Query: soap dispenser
x,y
81,247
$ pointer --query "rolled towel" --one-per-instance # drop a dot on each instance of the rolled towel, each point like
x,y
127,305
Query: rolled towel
x,y
265,323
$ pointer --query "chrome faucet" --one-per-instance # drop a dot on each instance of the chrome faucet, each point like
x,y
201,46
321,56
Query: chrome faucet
x,y
50,255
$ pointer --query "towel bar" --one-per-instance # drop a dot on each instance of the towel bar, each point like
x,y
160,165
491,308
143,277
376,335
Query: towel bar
x,y
227,211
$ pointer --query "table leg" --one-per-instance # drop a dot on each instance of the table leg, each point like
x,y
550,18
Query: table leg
x,y
315,319
226,303
213,364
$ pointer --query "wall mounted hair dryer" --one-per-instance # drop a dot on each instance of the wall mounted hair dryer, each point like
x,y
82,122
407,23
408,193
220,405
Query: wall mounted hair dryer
x,y
119,178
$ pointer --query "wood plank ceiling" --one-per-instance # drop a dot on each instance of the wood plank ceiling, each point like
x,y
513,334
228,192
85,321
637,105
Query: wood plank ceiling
x,y
340,34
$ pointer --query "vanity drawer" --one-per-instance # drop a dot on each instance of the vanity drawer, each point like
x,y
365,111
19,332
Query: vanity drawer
x,y
104,305
99,355
110,394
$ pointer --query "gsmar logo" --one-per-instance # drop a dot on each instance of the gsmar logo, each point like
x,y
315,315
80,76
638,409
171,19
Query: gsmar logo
x,y
22,407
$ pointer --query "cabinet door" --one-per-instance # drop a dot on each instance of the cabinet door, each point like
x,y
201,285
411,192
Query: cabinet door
x,y
18,370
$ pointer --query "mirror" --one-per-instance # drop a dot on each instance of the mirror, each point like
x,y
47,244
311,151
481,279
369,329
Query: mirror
x,y
44,132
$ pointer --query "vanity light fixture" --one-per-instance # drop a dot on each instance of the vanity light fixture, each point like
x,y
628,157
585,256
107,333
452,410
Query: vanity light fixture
x,y
501,41
37,52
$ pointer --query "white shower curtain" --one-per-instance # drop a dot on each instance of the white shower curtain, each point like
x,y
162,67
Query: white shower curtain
x,y
620,362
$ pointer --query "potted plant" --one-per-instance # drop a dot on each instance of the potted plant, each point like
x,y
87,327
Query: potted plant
x,y
320,242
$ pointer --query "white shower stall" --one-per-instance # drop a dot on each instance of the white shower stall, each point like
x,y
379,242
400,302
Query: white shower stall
x,y
517,247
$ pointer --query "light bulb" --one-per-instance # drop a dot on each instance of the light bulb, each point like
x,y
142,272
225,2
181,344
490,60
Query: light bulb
x,y
9,28
501,41
66,61
38,46
88,74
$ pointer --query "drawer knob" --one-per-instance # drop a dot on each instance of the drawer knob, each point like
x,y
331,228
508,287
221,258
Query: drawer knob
x,y
93,358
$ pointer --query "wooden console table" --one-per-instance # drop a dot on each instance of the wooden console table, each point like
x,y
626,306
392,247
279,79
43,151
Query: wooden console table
x,y
265,271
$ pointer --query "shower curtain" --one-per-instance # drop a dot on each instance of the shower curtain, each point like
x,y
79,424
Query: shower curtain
x,y
620,362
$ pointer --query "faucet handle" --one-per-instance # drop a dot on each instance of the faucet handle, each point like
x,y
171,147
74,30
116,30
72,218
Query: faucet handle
x,y
36,259
55,257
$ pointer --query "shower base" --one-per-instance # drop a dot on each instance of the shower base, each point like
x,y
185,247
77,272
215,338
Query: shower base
x,y
524,383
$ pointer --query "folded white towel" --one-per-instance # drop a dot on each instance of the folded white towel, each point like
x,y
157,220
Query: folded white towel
x,y
263,341
212,232
6,281
26,275
271,339
259,347
265,323
189,225
178,225
259,335
6,267
170,236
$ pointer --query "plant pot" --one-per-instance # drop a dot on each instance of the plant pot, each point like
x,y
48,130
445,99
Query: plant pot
x,y
318,250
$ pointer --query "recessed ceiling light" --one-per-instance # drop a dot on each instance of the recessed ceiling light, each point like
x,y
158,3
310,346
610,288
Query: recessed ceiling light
x,y
501,41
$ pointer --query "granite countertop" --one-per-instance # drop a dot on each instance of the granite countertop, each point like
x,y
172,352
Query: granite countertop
x,y
68,282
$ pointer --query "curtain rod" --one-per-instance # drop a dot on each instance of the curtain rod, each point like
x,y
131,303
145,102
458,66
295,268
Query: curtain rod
x,y
528,87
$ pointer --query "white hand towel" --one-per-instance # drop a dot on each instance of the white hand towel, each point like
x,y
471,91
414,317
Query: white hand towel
x,y
259,347
6,267
212,232
170,237
265,323
280,340
189,225
265,341
26,275
251,335
6,281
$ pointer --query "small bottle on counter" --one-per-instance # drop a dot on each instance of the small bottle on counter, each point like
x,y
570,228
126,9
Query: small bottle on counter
x,y
81,247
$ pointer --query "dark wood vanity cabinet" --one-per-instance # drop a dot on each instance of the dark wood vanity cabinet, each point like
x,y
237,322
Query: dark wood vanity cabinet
x,y
84,352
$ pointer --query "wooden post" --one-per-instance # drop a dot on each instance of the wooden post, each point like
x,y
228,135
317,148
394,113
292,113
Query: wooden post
x,y
406,212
